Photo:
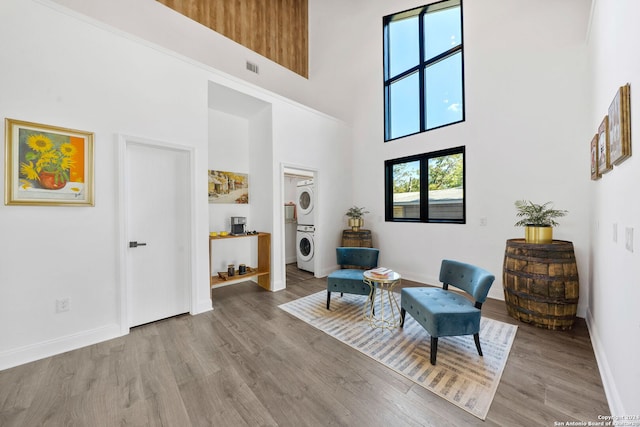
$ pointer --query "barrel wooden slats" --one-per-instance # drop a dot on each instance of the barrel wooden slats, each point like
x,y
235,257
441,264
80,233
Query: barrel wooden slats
x,y
540,283
357,239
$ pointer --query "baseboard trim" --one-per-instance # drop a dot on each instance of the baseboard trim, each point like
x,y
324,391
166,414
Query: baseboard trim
x,y
41,350
610,390
277,285
291,260
203,306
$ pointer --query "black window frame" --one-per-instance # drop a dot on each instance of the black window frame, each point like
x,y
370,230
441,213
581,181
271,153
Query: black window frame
x,y
420,68
424,186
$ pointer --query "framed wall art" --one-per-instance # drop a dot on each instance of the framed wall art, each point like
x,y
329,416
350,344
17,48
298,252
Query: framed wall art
x,y
47,165
594,158
620,126
604,163
228,187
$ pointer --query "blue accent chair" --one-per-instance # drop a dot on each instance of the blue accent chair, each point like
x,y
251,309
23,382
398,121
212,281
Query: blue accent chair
x,y
350,280
444,313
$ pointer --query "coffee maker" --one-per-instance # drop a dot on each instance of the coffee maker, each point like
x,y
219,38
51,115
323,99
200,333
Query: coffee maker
x,y
238,225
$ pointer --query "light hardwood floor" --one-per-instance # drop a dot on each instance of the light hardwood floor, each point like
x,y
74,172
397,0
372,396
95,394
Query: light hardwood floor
x,y
250,363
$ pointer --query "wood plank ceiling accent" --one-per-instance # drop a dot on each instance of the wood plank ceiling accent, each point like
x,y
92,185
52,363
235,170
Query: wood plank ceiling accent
x,y
276,29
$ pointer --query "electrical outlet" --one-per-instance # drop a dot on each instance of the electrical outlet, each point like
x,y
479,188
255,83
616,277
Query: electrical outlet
x,y
483,221
62,305
628,240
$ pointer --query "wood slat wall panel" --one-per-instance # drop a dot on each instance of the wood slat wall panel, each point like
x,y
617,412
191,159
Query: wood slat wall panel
x,y
276,29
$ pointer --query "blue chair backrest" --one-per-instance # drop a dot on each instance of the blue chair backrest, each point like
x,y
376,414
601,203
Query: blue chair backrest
x,y
362,257
473,280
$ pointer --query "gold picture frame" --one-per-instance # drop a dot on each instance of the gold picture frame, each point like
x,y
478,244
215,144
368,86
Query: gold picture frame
x,y
47,165
604,162
620,126
594,158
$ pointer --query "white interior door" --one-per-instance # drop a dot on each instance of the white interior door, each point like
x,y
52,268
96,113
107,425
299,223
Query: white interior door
x,y
158,219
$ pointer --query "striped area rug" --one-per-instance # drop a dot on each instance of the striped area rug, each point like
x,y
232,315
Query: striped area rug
x,y
460,376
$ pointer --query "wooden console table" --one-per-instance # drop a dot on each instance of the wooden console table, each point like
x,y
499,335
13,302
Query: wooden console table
x,y
263,271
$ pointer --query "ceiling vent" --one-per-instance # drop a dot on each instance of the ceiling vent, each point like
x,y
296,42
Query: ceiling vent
x,y
252,67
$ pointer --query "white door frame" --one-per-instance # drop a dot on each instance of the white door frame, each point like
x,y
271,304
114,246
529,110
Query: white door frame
x,y
279,217
123,141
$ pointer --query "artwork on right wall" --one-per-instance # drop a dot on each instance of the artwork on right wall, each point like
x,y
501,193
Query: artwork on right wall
x,y
620,126
604,162
612,144
594,158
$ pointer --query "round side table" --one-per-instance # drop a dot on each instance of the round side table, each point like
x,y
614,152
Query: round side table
x,y
385,286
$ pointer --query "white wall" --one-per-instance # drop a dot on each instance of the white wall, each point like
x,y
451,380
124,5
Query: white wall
x,y
613,315
229,151
152,21
525,130
72,71
318,144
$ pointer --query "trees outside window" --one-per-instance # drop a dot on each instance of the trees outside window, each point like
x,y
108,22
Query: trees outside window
x,y
426,187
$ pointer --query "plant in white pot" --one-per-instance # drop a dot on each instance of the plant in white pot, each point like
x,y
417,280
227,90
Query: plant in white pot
x,y
356,219
538,220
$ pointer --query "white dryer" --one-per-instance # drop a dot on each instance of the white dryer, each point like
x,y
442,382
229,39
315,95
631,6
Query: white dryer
x,y
305,247
306,202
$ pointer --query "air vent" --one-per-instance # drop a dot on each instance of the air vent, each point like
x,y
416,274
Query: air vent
x,y
252,67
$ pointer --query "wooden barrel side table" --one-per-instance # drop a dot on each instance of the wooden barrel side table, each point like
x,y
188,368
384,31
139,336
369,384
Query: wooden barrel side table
x,y
540,283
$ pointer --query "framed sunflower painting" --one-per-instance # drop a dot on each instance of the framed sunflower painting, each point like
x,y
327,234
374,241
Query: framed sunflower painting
x,y
47,165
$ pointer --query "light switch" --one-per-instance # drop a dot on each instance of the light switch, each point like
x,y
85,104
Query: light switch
x,y
615,232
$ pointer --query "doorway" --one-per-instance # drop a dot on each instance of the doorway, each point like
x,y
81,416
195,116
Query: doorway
x,y
298,183
156,234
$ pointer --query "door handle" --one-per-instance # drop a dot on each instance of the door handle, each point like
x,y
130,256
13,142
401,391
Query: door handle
x,y
136,244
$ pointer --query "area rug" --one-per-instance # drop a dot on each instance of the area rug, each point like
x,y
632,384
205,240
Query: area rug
x,y
460,375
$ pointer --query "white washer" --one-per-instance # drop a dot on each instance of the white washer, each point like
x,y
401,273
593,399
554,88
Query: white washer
x,y
306,202
305,247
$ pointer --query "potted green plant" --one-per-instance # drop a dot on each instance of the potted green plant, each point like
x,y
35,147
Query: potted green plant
x,y
538,220
356,219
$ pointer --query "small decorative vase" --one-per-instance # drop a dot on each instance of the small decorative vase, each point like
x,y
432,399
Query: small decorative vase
x,y
48,180
356,223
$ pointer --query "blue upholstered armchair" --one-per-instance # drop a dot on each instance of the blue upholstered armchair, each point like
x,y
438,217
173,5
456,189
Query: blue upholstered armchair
x,y
444,313
350,280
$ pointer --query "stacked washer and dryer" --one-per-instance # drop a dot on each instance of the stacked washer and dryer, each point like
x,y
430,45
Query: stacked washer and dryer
x,y
304,235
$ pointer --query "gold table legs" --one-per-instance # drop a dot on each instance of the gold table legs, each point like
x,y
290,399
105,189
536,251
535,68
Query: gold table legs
x,y
379,318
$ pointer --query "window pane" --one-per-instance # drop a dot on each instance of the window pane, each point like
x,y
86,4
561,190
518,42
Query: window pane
x,y
404,107
406,190
443,87
446,187
404,50
442,31
426,41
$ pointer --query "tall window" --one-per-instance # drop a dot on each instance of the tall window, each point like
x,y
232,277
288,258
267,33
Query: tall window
x,y
423,69
426,187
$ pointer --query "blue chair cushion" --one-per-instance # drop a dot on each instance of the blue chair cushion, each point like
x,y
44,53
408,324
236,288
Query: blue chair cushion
x,y
441,312
349,281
